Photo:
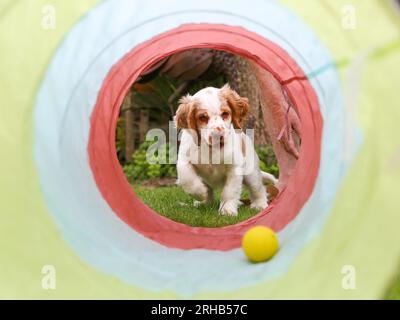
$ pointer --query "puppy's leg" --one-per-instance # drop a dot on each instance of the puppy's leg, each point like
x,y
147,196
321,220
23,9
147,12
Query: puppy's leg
x,y
192,184
258,193
230,196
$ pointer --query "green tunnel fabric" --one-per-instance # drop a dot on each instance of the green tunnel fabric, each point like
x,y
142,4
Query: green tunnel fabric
x,y
362,230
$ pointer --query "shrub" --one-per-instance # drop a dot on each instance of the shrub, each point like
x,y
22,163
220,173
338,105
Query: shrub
x,y
141,169
268,161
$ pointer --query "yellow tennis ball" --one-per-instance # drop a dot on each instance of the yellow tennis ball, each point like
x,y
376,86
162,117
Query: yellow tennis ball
x,y
260,244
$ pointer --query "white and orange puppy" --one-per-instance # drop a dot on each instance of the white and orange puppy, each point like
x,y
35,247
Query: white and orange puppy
x,y
214,152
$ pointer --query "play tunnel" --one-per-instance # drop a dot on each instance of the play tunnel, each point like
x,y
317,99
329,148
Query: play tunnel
x,y
66,202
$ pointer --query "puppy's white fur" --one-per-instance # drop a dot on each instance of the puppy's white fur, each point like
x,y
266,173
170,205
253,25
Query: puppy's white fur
x,y
214,152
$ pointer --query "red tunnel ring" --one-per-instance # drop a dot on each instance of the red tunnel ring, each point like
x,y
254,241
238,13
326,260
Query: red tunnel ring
x,y
107,171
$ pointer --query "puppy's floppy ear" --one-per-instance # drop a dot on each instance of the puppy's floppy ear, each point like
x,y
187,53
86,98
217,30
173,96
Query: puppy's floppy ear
x,y
239,105
185,114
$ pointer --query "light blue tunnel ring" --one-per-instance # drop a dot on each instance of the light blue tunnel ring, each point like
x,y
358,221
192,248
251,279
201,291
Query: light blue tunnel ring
x,y
62,123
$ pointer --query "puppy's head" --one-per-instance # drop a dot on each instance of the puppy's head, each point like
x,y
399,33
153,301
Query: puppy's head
x,y
211,113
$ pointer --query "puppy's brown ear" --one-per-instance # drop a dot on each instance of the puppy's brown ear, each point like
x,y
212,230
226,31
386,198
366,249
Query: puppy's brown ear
x,y
185,114
239,105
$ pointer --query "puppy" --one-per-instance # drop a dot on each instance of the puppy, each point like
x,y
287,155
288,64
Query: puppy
x,y
214,152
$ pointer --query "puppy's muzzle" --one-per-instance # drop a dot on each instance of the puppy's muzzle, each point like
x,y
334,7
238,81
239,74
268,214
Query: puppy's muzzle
x,y
217,136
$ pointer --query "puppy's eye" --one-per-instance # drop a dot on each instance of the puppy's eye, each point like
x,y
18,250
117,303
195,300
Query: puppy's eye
x,y
225,115
203,118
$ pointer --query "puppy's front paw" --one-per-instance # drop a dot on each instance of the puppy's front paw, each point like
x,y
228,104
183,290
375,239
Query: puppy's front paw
x,y
199,192
229,208
259,204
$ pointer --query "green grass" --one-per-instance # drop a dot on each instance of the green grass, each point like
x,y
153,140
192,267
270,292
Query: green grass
x,y
173,203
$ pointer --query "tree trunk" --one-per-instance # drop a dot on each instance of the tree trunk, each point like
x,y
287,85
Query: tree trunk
x,y
143,124
129,127
248,87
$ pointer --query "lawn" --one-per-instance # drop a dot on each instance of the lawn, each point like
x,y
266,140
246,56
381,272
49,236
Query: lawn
x,y
173,203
